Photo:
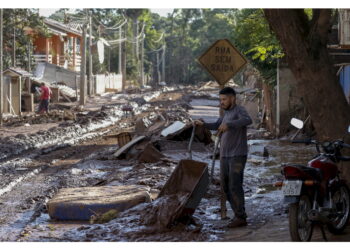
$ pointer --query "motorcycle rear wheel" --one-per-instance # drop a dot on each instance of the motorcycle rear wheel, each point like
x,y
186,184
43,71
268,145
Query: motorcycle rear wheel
x,y
341,201
300,227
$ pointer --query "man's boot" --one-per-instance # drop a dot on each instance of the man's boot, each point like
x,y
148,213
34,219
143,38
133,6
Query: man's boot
x,y
237,222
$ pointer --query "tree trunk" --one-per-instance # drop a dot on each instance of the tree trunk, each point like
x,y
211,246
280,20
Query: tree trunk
x,y
305,46
269,117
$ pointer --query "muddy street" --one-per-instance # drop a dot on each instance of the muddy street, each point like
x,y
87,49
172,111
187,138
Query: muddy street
x,y
29,179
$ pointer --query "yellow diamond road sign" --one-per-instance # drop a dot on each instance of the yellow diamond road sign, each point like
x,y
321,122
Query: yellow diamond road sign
x,y
222,60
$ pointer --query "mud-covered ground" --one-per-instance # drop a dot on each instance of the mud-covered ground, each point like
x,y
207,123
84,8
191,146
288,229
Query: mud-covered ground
x,y
31,176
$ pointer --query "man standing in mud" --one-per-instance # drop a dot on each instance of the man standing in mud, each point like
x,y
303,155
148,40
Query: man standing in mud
x,y
232,127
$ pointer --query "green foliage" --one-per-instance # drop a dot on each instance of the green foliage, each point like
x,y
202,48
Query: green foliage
x,y
18,21
308,13
191,32
258,44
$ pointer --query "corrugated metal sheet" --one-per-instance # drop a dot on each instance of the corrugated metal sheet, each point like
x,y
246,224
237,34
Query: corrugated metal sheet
x,y
345,81
50,73
18,72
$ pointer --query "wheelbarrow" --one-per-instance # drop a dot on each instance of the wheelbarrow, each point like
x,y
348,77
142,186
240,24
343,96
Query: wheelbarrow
x,y
190,179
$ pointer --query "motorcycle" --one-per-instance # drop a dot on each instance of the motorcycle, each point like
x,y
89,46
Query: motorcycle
x,y
314,193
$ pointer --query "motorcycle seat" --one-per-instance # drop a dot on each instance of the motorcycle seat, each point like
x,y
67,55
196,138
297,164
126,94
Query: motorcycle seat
x,y
314,172
307,171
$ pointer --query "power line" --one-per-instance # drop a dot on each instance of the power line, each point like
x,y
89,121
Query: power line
x,y
160,38
116,42
114,27
156,50
138,37
119,27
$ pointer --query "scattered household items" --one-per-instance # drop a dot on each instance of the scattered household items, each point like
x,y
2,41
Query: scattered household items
x,y
127,146
123,138
127,109
175,127
150,154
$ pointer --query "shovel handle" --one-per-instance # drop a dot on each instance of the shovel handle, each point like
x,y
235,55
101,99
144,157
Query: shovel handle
x,y
223,209
191,140
217,140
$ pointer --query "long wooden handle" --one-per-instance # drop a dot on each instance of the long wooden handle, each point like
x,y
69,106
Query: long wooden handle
x,y
191,141
216,145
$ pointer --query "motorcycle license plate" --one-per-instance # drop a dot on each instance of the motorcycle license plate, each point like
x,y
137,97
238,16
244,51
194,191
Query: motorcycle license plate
x,y
292,188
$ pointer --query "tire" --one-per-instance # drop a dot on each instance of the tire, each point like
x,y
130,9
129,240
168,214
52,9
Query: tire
x,y
341,201
300,228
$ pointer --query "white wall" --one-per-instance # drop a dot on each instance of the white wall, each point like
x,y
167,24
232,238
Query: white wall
x,y
111,81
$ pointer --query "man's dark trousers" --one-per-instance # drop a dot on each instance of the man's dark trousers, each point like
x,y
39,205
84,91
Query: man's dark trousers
x,y
232,169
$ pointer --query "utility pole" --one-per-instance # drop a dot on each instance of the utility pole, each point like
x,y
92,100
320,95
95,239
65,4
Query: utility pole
x,y
123,58
137,40
83,68
158,72
142,60
29,64
120,52
1,66
163,64
109,59
134,27
14,44
29,56
139,59
90,85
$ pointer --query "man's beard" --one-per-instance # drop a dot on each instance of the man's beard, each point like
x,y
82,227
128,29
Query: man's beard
x,y
226,108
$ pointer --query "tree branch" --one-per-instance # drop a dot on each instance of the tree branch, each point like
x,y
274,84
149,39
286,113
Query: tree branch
x,y
318,35
297,16
323,24
303,20
315,16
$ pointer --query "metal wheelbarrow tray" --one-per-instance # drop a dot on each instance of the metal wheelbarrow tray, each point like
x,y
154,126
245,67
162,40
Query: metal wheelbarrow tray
x,y
190,179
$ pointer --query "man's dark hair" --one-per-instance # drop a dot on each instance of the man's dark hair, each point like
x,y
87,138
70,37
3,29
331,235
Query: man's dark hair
x,y
227,91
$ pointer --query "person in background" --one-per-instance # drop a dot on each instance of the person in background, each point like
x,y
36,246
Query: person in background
x,y
45,95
